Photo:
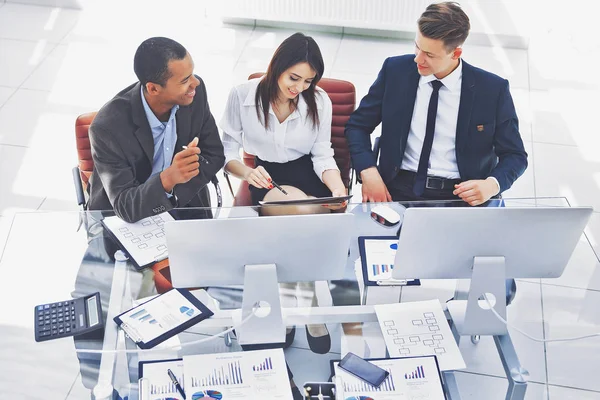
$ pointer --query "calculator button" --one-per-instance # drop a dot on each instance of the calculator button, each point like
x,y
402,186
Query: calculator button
x,y
47,312
53,305
54,331
54,321
40,308
61,331
68,329
72,308
60,320
46,307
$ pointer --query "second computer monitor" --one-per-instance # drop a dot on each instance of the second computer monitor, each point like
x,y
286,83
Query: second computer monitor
x,y
441,243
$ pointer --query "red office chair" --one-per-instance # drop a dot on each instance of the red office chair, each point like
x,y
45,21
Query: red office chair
x,y
343,98
81,177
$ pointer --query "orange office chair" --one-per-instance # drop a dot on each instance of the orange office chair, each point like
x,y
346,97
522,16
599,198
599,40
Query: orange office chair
x,y
343,98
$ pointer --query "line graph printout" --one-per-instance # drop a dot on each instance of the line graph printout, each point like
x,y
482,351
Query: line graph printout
x,y
145,240
400,383
419,329
259,374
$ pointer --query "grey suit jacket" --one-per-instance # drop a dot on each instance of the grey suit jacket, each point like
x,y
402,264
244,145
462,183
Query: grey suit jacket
x,y
123,149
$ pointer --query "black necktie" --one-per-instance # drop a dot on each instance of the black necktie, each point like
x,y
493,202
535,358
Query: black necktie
x,y
419,186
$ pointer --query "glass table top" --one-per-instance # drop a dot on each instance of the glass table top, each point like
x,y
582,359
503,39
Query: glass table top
x,y
56,256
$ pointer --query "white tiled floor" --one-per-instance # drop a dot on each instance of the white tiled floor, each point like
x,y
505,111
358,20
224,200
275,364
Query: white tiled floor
x,y
58,63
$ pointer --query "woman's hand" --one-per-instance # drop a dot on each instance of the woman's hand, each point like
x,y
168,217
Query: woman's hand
x,y
338,192
259,177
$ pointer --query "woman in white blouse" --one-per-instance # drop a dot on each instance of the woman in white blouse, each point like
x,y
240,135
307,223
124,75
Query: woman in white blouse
x,y
284,120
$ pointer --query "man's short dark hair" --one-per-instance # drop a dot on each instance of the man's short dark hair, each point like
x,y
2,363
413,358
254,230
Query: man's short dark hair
x,y
151,61
446,22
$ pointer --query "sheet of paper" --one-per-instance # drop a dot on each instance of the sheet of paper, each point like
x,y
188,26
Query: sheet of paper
x,y
144,240
409,379
158,316
160,386
259,374
419,329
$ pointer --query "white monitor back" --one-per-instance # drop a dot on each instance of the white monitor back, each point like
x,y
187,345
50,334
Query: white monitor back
x,y
214,252
440,243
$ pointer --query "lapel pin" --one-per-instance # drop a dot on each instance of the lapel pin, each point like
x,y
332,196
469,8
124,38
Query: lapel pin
x,y
480,128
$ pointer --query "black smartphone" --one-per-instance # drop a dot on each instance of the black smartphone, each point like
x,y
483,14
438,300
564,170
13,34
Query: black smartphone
x,y
363,369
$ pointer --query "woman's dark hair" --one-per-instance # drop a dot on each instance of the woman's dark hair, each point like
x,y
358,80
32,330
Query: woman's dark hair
x,y
296,49
151,60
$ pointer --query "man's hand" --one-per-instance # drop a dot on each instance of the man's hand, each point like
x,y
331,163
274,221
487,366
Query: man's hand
x,y
184,167
373,188
476,191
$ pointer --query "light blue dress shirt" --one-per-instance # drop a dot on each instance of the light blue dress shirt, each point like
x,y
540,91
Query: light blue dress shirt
x,y
164,135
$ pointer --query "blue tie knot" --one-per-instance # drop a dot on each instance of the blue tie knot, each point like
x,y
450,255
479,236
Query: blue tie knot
x,y
436,85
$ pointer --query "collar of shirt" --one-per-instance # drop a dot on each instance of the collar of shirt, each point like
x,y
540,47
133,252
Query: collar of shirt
x,y
300,111
451,82
152,120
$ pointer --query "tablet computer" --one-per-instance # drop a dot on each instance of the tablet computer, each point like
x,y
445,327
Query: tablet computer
x,y
316,200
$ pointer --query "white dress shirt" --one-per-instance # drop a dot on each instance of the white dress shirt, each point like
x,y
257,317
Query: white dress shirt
x,y
442,161
281,142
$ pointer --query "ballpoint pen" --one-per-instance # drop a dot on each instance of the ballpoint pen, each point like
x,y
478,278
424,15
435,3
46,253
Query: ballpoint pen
x,y
279,187
176,383
200,157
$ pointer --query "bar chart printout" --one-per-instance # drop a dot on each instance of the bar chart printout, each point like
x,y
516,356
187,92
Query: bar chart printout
x,y
238,375
416,374
266,365
412,378
227,374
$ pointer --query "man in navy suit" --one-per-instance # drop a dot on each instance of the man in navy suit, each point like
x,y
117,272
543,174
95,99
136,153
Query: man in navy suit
x,y
449,130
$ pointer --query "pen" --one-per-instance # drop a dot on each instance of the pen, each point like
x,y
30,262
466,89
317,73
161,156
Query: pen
x,y
176,383
278,187
200,158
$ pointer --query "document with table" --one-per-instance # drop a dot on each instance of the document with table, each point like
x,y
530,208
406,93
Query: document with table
x,y
144,241
412,378
419,329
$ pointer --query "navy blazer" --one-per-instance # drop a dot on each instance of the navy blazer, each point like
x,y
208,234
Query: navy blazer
x,y
488,142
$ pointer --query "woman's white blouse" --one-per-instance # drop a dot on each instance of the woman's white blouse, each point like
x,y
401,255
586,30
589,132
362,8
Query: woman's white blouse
x,y
281,142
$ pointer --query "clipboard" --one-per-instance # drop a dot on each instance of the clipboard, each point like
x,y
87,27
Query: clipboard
x,y
162,317
370,268
409,373
316,200
148,232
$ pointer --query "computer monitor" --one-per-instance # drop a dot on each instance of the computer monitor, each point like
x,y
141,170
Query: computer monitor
x,y
259,252
487,245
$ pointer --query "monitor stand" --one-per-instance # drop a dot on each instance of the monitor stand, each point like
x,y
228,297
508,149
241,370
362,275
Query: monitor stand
x,y
472,316
261,331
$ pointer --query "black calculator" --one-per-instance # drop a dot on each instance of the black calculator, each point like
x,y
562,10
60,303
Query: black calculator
x,y
68,318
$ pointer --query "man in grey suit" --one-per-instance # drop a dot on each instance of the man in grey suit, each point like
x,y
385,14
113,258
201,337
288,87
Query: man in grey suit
x,y
146,141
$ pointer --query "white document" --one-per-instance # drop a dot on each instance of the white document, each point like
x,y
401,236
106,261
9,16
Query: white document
x,y
409,379
158,383
259,374
419,329
145,240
